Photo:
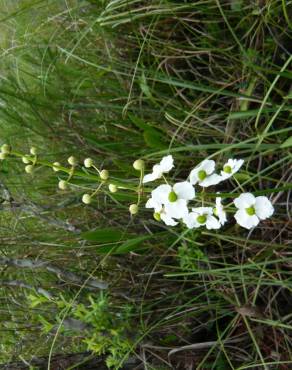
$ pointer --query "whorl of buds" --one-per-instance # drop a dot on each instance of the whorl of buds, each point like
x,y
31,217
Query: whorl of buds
x,y
63,185
112,188
139,165
29,168
104,175
72,161
133,209
88,162
86,199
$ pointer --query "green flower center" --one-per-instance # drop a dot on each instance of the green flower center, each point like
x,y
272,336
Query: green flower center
x,y
172,197
202,175
227,169
201,219
157,216
215,211
250,211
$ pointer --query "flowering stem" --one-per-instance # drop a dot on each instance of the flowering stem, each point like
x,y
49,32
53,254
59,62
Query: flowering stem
x,y
78,173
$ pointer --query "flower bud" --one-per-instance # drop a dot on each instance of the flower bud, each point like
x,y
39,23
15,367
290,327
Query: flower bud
x,y
33,150
104,174
3,156
86,199
157,216
25,159
133,209
5,148
112,188
138,165
56,166
29,168
88,162
63,185
72,161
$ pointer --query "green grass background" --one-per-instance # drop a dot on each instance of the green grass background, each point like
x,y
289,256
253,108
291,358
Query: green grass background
x,y
121,80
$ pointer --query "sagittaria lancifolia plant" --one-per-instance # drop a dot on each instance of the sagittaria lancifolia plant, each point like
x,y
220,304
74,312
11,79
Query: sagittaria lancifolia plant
x,y
172,203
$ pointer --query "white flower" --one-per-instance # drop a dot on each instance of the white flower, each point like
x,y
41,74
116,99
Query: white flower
x,y
252,209
219,211
204,174
231,167
159,213
171,201
165,165
202,216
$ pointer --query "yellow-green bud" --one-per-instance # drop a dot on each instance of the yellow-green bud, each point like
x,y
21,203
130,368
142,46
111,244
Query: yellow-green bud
x,y
63,185
5,148
157,216
56,166
133,209
88,162
112,188
29,168
250,211
25,159
227,169
33,150
86,199
104,174
202,175
3,156
138,165
201,219
72,161
172,197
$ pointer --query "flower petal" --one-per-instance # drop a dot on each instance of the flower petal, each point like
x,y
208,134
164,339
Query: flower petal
x,y
166,164
169,221
236,165
222,217
157,170
263,207
218,202
221,214
191,220
184,190
156,174
225,175
160,194
245,200
244,220
150,177
211,180
212,223
151,203
208,165
194,176
177,209
203,211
